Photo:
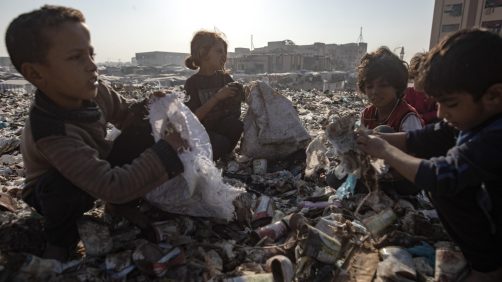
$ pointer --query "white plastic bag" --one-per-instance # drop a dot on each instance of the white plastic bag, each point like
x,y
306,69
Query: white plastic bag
x,y
272,128
199,190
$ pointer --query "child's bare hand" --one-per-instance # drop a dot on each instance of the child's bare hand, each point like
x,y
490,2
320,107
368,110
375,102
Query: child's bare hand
x,y
173,138
226,92
371,144
160,93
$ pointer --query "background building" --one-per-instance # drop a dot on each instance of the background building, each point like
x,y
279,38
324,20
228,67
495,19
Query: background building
x,y
5,62
158,58
452,15
286,56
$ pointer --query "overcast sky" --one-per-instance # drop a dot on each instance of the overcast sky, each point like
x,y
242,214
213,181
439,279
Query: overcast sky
x,y
120,28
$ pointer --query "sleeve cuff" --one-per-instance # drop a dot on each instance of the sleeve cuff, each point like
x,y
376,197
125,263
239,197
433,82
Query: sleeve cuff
x,y
169,158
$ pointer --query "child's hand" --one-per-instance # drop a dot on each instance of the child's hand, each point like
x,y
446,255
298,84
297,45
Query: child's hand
x,y
226,92
173,138
160,93
371,144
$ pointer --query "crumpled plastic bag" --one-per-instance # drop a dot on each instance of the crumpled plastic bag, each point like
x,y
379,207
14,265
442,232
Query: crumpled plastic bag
x,y
199,190
316,156
272,128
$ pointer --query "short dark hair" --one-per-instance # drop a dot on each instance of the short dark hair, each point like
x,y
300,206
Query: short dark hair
x,y
25,38
469,60
383,64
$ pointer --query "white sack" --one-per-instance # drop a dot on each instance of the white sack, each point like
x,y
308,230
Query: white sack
x,y
199,190
272,128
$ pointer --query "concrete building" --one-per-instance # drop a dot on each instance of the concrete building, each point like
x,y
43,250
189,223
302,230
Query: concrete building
x,y
158,58
16,86
5,62
285,56
452,15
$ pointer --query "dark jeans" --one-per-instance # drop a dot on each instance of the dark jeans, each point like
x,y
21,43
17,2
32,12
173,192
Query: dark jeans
x,y
62,203
470,228
224,136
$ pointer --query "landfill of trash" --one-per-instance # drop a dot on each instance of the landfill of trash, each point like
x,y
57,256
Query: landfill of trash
x,y
299,228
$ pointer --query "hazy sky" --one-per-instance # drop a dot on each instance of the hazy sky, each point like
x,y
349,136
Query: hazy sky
x,y
120,28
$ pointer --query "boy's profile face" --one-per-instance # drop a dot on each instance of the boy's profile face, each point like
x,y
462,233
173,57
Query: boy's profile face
x,y
380,93
69,75
461,111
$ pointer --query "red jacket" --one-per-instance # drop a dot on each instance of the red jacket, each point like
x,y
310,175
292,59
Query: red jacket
x,y
425,106
369,118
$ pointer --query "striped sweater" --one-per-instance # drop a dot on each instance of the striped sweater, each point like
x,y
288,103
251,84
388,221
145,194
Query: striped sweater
x,y
73,142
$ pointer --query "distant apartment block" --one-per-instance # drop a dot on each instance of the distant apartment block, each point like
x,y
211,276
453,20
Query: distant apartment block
x,y
285,56
158,58
452,15
5,62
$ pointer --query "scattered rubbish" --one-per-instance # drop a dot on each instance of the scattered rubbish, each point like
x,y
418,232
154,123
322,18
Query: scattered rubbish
x,y
380,221
272,231
118,265
260,166
154,260
281,268
95,236
320,246
289,225
397,265
347,188
261,277
264,211
449,262
7,203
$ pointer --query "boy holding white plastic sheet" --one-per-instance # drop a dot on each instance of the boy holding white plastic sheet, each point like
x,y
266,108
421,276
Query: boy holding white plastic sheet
x,y
68,162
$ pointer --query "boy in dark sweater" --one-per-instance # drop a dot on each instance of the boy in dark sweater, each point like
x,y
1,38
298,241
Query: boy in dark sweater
x,y
68,162
461,172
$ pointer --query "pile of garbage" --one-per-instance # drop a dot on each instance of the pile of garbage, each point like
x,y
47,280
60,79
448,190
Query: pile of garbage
x,y
299,229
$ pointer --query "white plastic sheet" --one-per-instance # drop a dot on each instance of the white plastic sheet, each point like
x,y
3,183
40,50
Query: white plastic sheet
x,y
199,190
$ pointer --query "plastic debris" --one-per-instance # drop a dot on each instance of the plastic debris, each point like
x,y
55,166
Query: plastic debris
x,y
187,241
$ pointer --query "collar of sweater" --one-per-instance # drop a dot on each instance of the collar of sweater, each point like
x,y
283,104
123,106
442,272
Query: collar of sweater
x,y
88,112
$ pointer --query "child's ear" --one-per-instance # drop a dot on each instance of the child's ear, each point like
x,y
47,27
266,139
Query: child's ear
x,y
493,95
32,73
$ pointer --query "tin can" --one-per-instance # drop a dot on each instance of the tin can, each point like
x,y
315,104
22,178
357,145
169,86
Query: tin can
x,y
259,166
264,211
449,263
260,277
320,246
327,226
294,221
378,222
273,231
165,230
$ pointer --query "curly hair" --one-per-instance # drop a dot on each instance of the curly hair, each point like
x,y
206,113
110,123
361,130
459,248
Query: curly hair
x,y
200,45
469,60
383,64
26,39
415,63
